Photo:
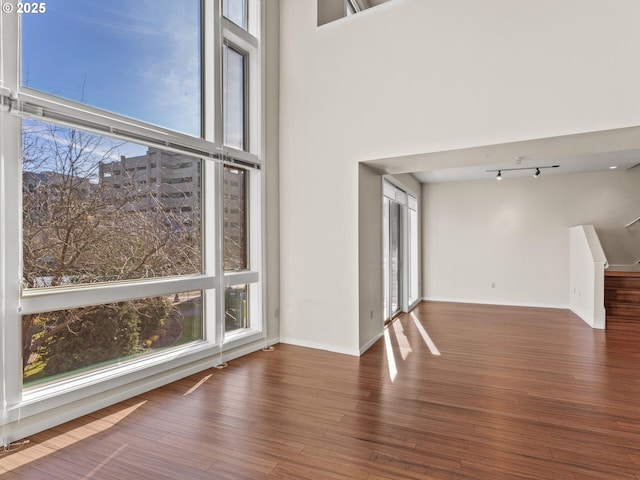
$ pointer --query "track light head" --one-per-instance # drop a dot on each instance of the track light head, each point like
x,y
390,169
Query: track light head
x,y
537,174
499,177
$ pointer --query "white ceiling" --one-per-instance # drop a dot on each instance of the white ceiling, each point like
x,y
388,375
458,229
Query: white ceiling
x,y
579,153
581,163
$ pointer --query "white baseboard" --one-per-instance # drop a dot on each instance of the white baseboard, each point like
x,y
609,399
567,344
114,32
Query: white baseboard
x,y
598,323
319,346
368,345
485,302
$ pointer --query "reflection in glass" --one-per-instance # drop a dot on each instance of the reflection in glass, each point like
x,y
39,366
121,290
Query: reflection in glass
x,y
235,219
385,258
414,266
96,209
236,11
139,59
65,342
394,257
235,305
233,86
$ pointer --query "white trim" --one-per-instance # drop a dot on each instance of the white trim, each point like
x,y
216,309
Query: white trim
x,y
240,278
632,222
238,35
634,267
211,100
319,346
370,343
44,107
486,302
399,185
60,298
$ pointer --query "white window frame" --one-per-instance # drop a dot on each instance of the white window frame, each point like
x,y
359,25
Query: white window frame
x,y
26,411
247,42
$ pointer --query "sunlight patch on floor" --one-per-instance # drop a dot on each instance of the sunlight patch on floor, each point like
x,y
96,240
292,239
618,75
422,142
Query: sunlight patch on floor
x,y
425,336
401,338
32,453
197,385
391,359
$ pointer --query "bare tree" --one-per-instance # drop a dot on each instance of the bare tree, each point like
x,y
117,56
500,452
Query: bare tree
x,y
79,228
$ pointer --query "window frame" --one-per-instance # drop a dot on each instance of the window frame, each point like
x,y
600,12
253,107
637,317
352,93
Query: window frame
x,y
245,16
89,391
245,95
394,192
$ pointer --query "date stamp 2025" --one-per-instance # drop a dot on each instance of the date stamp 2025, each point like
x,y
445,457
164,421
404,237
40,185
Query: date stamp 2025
x,y
27,7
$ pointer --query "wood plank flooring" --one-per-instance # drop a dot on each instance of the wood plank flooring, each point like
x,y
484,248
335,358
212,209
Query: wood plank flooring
x,y
515,393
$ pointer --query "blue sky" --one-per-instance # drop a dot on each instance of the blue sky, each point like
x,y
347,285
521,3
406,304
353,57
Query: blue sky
x,y
136,58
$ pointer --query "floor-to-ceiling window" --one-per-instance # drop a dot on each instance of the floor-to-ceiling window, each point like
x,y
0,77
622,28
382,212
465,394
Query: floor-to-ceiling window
x,y
130,214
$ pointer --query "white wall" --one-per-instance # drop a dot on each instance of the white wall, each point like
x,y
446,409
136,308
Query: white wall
x,y
515,234
586,275
370,293
416,76
271,117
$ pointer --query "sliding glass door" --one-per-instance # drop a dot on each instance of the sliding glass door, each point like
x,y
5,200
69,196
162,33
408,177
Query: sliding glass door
x,y
395,259
400,251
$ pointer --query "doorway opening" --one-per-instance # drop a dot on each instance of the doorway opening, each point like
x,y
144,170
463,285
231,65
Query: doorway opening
x,y
400,251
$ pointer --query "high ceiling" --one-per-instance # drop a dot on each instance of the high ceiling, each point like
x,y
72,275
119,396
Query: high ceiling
x,y
590,152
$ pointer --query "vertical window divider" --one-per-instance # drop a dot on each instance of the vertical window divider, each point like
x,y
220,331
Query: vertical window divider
x,y
219,248
10,214
10,241
218,182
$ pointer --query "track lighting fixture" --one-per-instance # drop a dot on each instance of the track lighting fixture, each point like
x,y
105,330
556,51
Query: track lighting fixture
x,y
536,173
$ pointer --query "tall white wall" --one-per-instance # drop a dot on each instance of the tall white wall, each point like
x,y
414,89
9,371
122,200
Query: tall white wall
x,y
514,234
415,76
272,176
370,292
587,263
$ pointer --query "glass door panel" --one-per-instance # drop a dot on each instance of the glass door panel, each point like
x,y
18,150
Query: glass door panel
x,y
395,258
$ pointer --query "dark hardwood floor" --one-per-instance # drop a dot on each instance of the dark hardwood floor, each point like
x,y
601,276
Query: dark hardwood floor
x,y
516,393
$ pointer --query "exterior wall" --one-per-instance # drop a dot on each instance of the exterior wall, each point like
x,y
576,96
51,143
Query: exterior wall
x,y
160,179
419,76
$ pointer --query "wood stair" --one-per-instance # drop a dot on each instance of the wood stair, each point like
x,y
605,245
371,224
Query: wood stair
x,y
622,300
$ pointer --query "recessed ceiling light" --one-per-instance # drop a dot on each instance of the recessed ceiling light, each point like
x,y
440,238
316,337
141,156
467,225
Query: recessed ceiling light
x,y
613,167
